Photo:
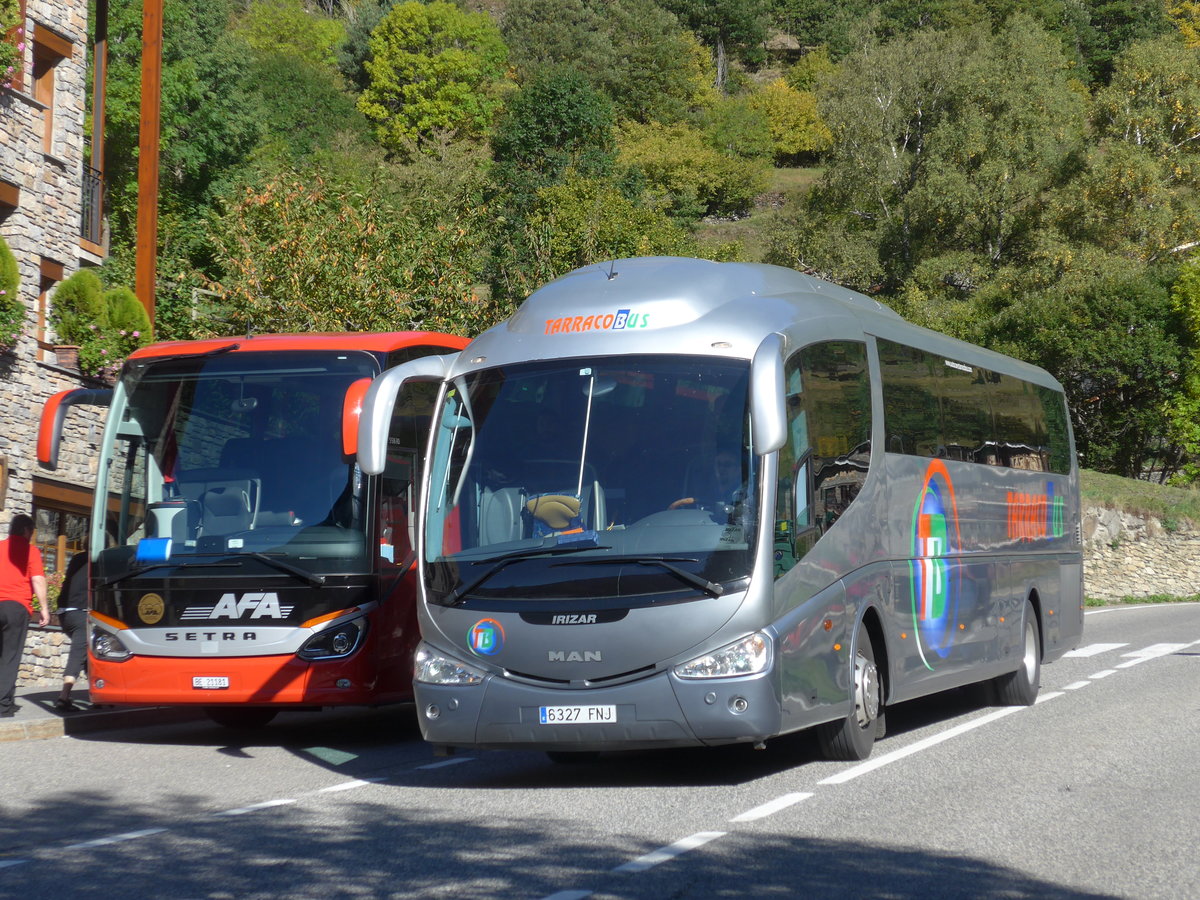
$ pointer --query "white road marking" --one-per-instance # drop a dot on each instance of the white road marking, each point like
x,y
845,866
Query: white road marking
x,y
1042,698
770,807
1103,673
1076,685
1092,650
661,855
115,839
349,785
1154,651
5,863
879,762
254,807
568,895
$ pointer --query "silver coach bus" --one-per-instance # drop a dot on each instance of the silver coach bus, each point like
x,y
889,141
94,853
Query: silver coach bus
x,y
673,502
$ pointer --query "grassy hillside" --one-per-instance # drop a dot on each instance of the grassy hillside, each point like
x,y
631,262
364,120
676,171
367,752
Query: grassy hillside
x,y
1170,505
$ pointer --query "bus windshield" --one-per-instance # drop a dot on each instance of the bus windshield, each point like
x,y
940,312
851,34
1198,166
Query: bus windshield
x,y
232,459
619,481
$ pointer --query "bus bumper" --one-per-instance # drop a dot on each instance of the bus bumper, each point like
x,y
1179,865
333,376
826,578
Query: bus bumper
x,y
281,680
661,711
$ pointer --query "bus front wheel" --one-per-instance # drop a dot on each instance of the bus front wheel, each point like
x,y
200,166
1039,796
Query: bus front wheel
x,y
1020,688
240,717
853,737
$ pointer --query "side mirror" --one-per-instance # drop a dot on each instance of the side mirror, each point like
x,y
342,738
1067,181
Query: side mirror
x,y
352,406
768,417
376,418
54,414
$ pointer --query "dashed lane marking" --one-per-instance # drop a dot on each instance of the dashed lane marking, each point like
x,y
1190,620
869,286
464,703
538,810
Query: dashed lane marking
x,y
662,854
770,808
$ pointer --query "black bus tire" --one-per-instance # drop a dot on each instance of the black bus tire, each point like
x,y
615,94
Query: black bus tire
x,y
1020,688
853,737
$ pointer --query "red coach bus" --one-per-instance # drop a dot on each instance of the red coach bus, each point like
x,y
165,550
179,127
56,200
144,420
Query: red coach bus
x,y
240,560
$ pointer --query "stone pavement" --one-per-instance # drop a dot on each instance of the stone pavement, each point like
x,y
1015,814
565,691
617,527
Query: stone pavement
x,y
37,718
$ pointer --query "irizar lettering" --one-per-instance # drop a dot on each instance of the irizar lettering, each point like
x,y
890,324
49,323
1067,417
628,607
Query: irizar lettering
x,y
575,656
573,619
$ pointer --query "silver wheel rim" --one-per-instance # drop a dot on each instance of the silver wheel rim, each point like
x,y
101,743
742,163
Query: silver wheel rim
x,y
866,691
1030,660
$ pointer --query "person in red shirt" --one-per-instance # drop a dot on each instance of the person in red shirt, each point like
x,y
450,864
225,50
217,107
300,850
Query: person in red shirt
x,y
22,577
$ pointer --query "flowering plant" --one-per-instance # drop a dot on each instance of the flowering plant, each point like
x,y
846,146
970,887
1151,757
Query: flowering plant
x,y
11,45
104,352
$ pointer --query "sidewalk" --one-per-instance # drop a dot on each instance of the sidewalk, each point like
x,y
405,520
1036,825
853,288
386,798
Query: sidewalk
x,y
38,719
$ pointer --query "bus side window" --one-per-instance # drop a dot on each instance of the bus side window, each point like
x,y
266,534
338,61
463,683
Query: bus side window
x,y
825,459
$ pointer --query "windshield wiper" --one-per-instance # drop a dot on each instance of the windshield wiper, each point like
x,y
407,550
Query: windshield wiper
x,y
284,566
117,579
457,595
229,561
698,581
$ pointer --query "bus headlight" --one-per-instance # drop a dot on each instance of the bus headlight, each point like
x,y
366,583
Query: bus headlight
x,y
432,667
108,647
749,656
336,642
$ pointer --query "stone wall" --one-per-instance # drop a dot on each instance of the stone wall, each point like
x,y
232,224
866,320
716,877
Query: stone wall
x,y
1128,556
44,658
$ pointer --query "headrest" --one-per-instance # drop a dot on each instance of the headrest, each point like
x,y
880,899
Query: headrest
x,y
556,510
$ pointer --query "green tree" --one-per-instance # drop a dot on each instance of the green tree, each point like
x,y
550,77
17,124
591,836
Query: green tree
x,y
796,127
1119,345
684,175
355,50
304,108
557,122
1136,192
736,127
435,70
633,50
348,244
737,27
944,143
289,26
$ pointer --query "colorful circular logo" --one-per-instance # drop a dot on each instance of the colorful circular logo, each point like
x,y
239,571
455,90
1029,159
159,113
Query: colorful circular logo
x,y
151,608
486,637
935,577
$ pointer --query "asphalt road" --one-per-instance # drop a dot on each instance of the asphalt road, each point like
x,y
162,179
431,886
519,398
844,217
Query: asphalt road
x,y
1093,792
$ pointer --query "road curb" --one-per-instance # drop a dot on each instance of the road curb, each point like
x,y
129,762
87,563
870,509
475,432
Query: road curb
x,y
91,721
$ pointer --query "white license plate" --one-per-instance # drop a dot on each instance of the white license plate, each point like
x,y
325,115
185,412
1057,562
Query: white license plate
x,y
210,682
577,715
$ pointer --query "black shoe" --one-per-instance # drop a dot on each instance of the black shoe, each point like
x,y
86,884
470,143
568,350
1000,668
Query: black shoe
x,y
7,713
65,706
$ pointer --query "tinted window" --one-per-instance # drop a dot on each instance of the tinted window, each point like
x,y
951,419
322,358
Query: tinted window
x,y
825,461
945,408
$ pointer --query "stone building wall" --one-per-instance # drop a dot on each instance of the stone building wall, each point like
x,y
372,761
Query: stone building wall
x,y
43,232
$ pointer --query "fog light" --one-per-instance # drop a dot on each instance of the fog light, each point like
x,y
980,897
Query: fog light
x,y
432,712
739,705
344,682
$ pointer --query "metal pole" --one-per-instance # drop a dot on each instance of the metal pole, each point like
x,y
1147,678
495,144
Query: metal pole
x,y
148,136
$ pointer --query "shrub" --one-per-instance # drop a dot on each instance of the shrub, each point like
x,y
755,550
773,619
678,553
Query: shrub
x,y
12,310
78,308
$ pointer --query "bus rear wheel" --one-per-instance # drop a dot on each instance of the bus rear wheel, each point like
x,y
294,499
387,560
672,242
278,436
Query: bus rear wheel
x,y
1020,688
853,737
240,717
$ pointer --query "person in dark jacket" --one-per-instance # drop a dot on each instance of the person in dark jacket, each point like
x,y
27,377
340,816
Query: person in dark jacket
x,y
72,615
